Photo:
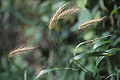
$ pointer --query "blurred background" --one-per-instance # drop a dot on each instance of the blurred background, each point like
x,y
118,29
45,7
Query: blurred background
x,y
25,22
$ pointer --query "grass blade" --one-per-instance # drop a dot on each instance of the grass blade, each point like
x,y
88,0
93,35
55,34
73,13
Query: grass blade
x,y
49,70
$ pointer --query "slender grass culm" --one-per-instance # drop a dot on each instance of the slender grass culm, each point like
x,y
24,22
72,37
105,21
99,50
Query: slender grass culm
x,y
88,42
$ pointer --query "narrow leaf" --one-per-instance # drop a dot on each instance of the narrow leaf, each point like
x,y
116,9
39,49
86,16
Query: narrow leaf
x,y
49,70
90,54
99,44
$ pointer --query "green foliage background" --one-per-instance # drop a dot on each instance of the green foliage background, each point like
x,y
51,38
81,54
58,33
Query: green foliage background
x,y
26,22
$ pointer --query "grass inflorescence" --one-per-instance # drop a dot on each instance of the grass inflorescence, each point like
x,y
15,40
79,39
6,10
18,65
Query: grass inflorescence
x,y
65,9
22,49
90,22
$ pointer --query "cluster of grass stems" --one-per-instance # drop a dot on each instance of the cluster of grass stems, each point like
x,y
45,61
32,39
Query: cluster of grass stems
x,y
63,10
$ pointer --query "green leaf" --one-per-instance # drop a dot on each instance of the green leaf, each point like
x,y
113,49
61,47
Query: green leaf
x,y
90,54
113,50
99,59
101,4
110,51
23,19
49,70
81,3
113,12
95,54
25,75
101,54
43,72
100,43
